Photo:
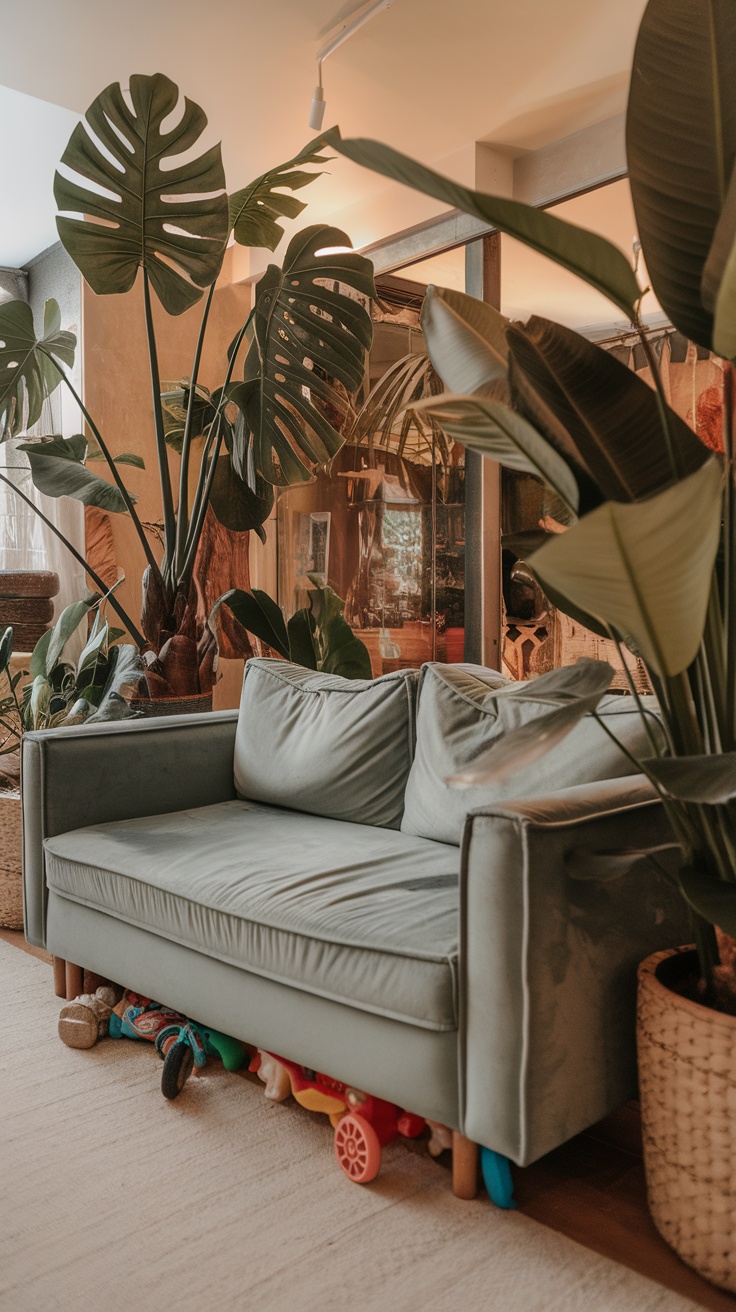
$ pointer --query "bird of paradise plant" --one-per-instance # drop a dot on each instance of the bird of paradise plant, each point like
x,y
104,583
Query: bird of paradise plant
x,y
648,555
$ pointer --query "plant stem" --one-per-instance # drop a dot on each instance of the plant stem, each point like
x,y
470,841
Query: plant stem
x,y
198,523
167,498
182,513
729,528
205,479
122,615
116,475
708,955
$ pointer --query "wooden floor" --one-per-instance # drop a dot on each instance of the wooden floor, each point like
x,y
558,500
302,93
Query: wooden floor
x,y
591,1189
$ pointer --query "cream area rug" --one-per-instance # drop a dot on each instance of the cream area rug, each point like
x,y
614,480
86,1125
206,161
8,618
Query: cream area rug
x,y
114,1200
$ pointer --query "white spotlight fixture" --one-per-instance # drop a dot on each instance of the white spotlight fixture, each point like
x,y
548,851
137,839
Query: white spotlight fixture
x,y
344,32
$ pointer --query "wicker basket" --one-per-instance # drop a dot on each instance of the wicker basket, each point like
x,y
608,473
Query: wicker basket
x,y
11,877
687,1074
152,707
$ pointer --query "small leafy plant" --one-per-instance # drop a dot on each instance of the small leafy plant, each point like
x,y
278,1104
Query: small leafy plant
x,y
317,636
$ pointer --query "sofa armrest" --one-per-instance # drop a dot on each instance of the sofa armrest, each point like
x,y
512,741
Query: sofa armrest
x,y
88,775
548,961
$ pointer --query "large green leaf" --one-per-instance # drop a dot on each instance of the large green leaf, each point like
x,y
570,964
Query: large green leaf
x,y
123,676
709,779
258,614
308,332
236,505
719,278
256,209
466,340
30,366
494,430
711,899
611,415
47,653
58,470
173,221
681,147
573,691
645,568
591,257
337,648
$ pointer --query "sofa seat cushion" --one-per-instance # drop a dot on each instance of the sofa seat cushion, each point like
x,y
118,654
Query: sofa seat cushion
x,y
361,915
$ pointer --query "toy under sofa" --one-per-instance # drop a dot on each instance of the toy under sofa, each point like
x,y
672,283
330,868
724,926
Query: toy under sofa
x,y
300,875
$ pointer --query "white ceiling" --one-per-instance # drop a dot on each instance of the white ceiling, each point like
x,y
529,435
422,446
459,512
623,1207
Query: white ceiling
x,y
426,76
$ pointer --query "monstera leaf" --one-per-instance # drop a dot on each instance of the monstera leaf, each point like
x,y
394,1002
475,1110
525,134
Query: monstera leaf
x,y
58,470
308,332
235,504
137,211
256,209
30,366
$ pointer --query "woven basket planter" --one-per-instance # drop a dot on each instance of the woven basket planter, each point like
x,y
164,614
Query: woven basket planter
x,y
152,707
11,876
687,1075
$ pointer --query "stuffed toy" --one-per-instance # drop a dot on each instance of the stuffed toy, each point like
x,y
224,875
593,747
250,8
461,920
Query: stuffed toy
x,y
86,1019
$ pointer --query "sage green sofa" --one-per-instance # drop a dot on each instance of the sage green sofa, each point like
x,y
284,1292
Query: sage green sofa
x,y
301,876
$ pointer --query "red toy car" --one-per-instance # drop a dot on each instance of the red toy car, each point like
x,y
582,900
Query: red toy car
x,y
363,1124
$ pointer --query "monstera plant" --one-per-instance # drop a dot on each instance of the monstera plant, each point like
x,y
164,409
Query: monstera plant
x,y
645,547
137,201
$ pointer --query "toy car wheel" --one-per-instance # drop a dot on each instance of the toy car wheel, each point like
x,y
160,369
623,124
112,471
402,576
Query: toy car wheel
x,y
357,1148
178,1065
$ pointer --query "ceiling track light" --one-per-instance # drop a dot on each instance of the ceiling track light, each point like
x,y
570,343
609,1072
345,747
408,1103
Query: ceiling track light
x,y
346,30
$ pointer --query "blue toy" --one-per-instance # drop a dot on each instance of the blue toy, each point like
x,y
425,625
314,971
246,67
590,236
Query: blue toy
x,y
497,1178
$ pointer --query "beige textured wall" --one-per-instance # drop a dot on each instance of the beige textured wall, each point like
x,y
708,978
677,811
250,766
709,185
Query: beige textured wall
x,y
118,396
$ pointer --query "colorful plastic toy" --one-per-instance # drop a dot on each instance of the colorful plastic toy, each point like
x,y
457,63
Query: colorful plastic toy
x,y
496,1171
184,1046
363,1124
136,1017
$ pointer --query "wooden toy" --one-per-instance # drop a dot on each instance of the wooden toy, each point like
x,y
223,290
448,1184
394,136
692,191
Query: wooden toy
x,y
363,1124
86,1019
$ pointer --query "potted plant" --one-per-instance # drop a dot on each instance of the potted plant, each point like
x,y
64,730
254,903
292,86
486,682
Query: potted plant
x,y
129,208
644,553
54,692
317,636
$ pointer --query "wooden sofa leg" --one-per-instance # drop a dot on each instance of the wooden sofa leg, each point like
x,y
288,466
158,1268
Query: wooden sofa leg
x,y
60,977
74,981
464,1166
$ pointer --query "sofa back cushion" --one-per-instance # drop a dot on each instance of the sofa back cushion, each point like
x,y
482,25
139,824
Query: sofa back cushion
x,y
463,709
330,746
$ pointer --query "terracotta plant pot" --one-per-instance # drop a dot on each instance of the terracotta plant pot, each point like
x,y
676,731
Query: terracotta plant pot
x,y
687,1075
150,707
11,870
